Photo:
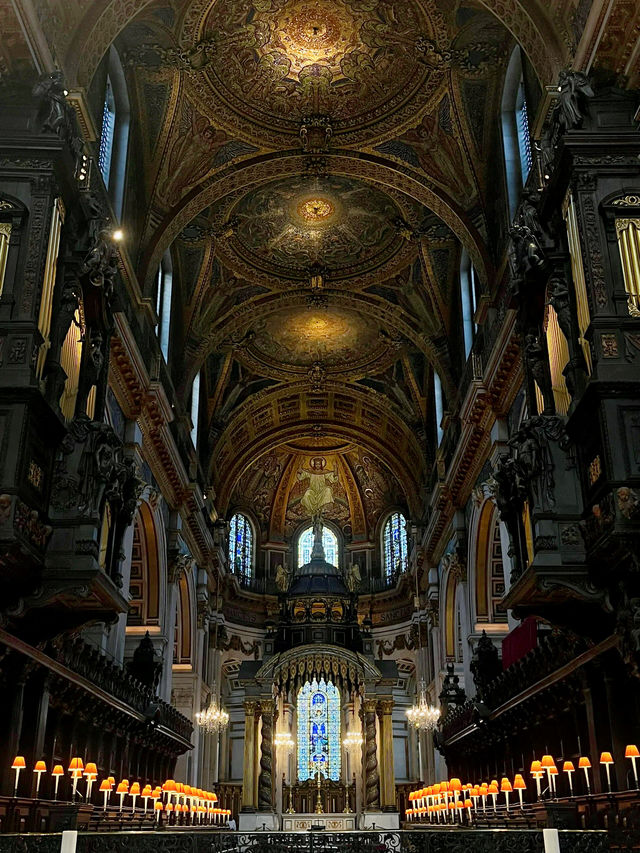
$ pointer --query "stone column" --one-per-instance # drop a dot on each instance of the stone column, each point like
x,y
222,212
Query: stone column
x,y
372,795
248,802
388,785
265,781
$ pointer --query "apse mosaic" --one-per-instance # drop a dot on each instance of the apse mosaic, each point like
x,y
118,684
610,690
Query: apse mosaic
x,y
287,226
318,731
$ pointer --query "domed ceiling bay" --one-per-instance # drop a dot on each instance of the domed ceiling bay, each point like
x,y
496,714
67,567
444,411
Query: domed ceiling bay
x,y
313,172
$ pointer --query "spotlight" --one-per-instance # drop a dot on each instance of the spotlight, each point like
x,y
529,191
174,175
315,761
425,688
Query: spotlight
x,y
118,235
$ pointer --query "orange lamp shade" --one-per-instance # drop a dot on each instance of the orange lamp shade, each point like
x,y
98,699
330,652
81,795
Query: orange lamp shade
x,y
631,751
58,770
112,780
76,764
455,785
105,785
18,763
568,767
547,761
91,770
169,807
135,788
169,785
493,788
40,767
122,788
536,766
583,761
158,806
467,804
518,782
146,791
437,788
606,758
553,771
505,785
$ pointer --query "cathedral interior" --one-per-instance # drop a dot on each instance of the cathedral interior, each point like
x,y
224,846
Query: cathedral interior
x,y
320,423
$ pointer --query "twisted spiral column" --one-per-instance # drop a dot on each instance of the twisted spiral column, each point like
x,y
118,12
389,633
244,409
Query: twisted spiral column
x,y
265,780
372,792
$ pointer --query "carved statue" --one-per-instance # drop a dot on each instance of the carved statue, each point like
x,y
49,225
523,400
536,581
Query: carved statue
x,y
100,263
50,89
509,491
451,694
283,578
559,300
572,106
353,578
525,252
538,365
91,367
144,665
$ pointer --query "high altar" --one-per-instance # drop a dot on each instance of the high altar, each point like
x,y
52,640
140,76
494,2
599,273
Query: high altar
x,y
318,711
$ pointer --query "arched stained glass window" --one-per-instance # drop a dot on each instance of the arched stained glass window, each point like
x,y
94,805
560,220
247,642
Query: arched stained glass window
x,y
394,540
329,543
319,731
240,545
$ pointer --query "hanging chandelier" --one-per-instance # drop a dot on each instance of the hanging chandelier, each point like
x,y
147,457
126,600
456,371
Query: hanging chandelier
x,y
284,740
352,740
214,718
421,715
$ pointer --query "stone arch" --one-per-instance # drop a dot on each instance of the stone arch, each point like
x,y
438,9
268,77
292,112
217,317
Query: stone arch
x,y
146,584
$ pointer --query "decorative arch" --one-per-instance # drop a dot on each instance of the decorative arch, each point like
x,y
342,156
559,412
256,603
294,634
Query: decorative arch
x,y
144,584
450,617
185,624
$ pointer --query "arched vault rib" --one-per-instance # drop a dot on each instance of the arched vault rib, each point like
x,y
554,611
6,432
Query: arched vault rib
x,y
275,417
375,170
102,21
239,319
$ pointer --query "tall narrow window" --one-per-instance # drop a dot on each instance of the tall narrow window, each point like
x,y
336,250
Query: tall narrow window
x,y
164,290
329,543
468,300
105,151
195,408
437,393
394,540
319,731
516,133
114,132
240,545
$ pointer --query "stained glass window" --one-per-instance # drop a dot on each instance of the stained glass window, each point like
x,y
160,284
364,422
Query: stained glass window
x,y
395,544
319,731
240,545
329,543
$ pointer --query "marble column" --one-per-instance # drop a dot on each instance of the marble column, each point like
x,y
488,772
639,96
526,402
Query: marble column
x,y
248,801
387,785
265,781
372,795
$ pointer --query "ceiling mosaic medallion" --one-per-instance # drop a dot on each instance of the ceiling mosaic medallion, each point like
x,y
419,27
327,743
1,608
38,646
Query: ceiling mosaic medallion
x,y
296,341
286,227
357,62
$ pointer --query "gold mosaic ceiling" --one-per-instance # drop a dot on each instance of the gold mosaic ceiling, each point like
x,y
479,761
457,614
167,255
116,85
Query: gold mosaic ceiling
x,y
314,167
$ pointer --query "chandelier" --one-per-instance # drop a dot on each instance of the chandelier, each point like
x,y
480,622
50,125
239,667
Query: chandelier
x,y
214,718
421,715
352,740
284,740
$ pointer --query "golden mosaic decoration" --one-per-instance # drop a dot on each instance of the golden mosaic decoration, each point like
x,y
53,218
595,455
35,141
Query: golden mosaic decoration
x,y
315,210
315,32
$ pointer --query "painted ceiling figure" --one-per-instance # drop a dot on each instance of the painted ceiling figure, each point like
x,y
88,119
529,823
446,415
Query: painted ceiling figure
x,y
192,153
319,492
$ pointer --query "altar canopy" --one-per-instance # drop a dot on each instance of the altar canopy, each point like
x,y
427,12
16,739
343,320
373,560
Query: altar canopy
x,y
318,730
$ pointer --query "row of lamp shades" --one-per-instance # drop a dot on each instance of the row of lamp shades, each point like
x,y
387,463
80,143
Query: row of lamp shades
x,y
453,802
200,805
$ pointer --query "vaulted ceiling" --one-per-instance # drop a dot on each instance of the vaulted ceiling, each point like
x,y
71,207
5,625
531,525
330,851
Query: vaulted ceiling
x,y
315,168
